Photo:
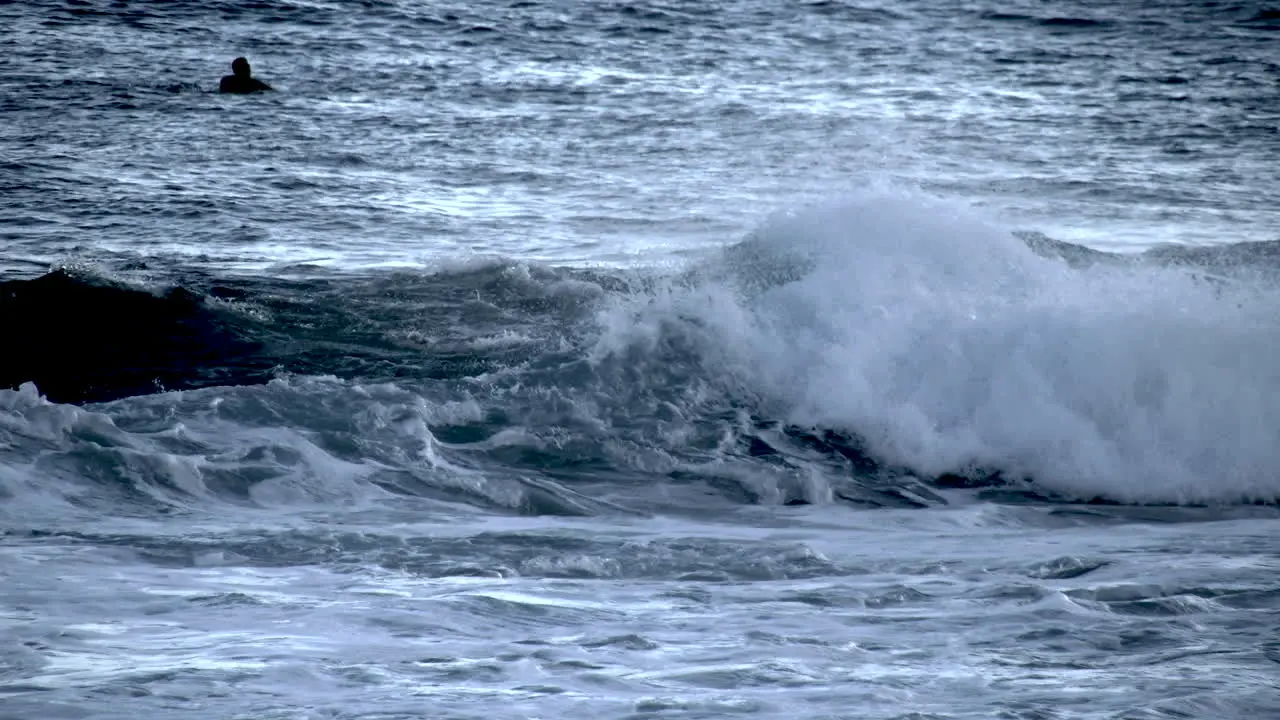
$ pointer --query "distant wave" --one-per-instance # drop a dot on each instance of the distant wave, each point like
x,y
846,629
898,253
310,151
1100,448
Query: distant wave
x,y
1073,22
1266,15
1052,22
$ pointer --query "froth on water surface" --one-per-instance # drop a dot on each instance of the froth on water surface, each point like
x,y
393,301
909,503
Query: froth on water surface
x,y
446,616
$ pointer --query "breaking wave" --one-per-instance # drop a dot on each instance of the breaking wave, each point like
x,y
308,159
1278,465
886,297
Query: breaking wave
x,y
880,351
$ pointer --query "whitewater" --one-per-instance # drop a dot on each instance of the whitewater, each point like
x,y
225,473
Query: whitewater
x,y
639,360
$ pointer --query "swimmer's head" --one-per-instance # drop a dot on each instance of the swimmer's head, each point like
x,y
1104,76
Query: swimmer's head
x,y
240,67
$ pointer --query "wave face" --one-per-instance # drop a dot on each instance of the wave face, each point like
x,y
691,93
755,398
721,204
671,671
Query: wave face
x,y
878,351
195,331
86,339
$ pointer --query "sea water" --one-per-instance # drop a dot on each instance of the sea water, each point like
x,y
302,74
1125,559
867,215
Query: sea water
x,y
639,359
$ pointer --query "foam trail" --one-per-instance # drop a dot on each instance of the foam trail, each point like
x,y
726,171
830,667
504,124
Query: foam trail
x,y
948,344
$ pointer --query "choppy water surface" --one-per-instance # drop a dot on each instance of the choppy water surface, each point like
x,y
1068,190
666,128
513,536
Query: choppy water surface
x,y
582,131
574,359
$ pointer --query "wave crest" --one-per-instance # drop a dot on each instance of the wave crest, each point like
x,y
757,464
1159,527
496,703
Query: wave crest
x,y
946,344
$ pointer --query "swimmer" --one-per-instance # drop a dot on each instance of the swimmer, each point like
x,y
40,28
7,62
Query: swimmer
x,y
241,82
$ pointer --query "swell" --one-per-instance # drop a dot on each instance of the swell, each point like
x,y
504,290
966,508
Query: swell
x,y
83,340
84,337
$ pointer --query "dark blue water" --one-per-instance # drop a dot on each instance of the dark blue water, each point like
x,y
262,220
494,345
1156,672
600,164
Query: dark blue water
x,y
639,360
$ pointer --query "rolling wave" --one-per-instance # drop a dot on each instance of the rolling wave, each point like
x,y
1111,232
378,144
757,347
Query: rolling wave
x,y
950,346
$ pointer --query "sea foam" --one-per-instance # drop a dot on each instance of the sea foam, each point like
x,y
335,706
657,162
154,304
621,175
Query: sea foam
x,y
947,344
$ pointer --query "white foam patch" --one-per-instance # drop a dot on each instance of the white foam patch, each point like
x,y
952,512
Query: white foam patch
x,y
946,343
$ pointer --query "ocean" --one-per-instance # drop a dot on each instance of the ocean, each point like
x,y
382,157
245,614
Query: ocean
x,y
640,359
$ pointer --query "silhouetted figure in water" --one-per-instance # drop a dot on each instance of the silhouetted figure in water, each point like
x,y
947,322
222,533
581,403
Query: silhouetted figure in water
x,y
241,82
